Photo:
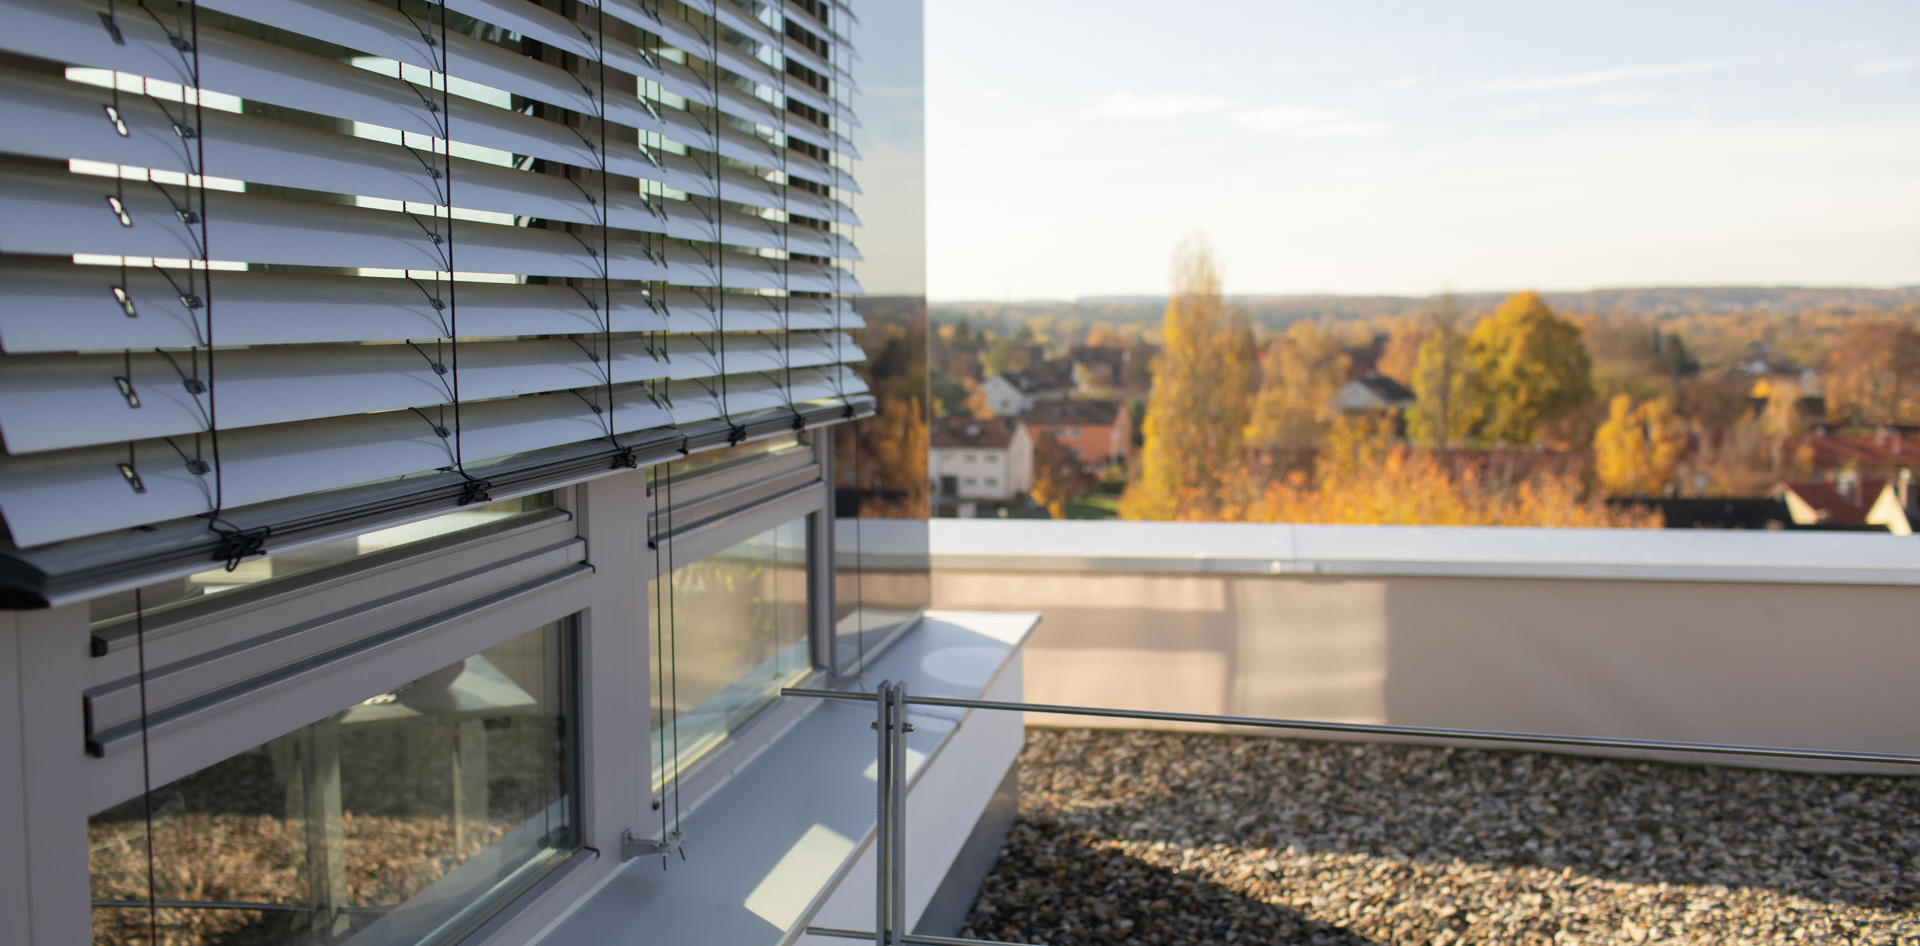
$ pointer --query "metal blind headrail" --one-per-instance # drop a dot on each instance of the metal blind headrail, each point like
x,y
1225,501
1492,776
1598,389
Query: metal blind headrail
x,y
257,251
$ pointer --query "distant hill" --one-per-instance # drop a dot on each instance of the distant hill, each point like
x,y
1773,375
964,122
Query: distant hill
x,y
1282,310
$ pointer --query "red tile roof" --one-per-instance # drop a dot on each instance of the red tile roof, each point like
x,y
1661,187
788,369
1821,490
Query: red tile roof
x,y
994,432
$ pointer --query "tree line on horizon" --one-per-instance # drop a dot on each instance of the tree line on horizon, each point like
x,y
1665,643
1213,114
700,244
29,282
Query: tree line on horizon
x,y
1523,415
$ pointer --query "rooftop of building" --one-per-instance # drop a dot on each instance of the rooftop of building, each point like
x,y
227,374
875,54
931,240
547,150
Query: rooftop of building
x,y
1176,838
990,432
1073,413
1041,377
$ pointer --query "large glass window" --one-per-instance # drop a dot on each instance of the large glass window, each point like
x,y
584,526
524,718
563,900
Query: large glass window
x,y
406,818
735,632
164,597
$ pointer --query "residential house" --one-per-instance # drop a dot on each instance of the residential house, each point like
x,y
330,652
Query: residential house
x,y
1373,393
1013,393
980,465
1852,503
1881,453
1098,432
1097,368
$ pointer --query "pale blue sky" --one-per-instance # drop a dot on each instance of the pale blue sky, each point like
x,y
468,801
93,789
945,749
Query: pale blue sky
x,y
1405,147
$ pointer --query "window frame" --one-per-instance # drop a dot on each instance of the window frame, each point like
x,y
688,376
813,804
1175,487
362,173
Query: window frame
x,y
753,512
398,618
480,635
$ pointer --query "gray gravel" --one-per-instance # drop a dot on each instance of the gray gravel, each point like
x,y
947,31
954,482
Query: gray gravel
x,y
1169,838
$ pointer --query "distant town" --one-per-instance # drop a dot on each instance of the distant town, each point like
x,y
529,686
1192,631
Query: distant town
x,y
1734,407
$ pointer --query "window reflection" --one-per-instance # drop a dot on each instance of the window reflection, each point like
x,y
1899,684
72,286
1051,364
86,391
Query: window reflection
x,y
403,819
736,633
160,597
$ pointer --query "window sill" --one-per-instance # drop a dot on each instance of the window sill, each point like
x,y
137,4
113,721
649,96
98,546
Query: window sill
x,y
766,849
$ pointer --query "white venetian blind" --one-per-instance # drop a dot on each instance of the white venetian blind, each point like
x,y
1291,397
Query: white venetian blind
x,y
256,250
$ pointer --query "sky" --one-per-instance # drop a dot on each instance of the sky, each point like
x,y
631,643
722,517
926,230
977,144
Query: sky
x,y
1413,147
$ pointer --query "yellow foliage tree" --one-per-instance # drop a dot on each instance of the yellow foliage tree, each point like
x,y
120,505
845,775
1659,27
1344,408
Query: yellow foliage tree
x,y
1412,487
1445,410
1529,366
1304,369
1635,451
1197,412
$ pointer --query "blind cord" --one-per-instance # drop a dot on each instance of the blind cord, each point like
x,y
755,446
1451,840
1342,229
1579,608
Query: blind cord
x,y
660,580
786,234
735,433
623,456
146,764
673,652
476,490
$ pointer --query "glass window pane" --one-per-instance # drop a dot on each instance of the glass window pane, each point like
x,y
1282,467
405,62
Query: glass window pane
x,y
406,818
160,597
736,632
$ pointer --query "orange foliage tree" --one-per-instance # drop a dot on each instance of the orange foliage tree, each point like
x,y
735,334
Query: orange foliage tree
x,y
1873,374
1411,487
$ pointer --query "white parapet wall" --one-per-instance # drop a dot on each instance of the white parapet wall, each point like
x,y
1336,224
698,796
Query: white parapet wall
x,y
1805,640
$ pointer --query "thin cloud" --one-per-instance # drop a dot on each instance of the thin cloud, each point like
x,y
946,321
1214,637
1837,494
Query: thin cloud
x,y
1127,106
1620,100
1300,121
1581,80
1887,67
1406,82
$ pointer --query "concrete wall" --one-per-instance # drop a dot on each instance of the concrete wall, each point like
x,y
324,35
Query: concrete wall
x,y
1816,663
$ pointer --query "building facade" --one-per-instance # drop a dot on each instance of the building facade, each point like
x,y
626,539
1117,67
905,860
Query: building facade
x,y
421,434
976,461
1098,432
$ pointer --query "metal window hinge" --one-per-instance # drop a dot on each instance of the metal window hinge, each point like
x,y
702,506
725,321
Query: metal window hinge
x,y
666,846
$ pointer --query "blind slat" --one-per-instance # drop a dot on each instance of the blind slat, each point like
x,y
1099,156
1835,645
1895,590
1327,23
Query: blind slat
x,y
633,235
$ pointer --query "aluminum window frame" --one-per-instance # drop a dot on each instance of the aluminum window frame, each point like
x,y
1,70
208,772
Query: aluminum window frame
x,y
755,508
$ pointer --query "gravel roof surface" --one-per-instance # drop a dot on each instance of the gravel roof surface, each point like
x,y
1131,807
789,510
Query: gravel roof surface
x,y
1155,838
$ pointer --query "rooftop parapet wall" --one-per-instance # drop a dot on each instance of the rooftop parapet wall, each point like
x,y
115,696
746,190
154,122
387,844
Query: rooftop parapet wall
x,y
1782,639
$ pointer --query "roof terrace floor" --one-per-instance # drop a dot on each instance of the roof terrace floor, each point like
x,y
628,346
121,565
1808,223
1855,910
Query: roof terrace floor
x,y
1181,838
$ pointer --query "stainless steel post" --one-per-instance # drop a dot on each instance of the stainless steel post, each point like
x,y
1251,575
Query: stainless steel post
x,y
898,833
883,821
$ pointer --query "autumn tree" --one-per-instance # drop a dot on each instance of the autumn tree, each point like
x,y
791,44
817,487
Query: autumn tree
x,y
1059,477
1198,409
1445,410
1401,354
1635,451
1873,374
1529,366
1007,354
1300,375
1399,485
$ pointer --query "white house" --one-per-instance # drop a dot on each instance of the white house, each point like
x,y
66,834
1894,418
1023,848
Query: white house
x,y
981,460
1012,393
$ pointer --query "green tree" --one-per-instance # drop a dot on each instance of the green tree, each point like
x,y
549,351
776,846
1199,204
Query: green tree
x,y
1446,409
1529,366
1198,410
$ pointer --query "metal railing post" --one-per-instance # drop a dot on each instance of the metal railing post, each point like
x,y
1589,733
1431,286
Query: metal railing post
x,y
898,833
883,819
